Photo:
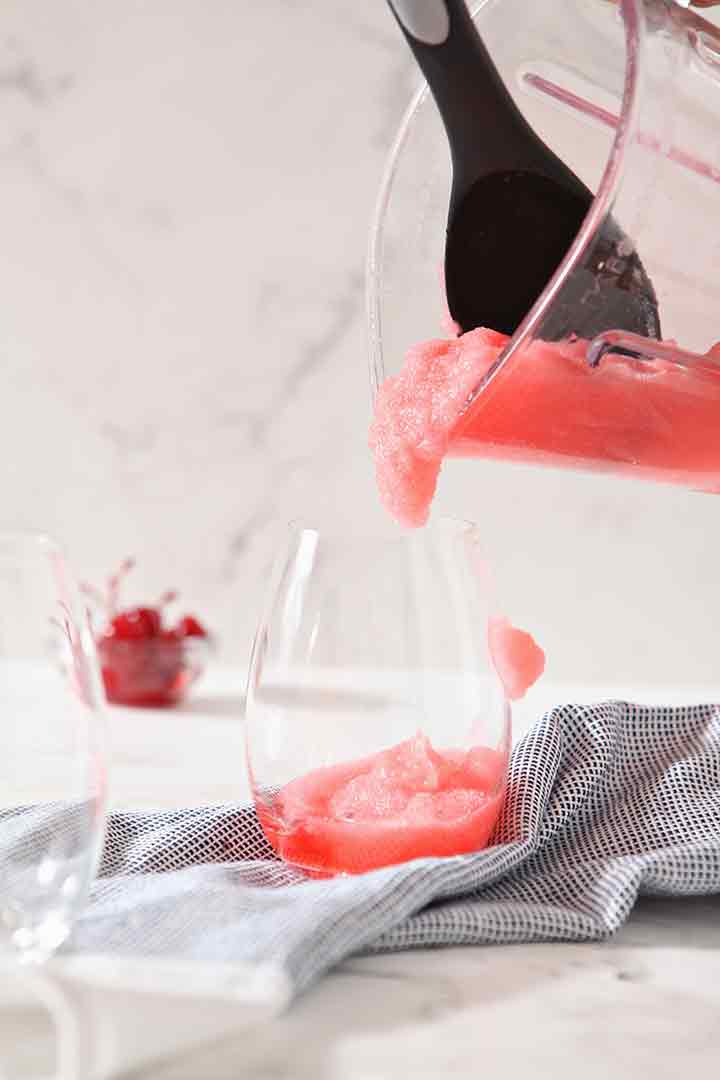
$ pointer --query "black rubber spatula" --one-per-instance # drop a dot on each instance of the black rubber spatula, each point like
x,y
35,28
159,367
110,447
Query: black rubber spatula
x,y
515,208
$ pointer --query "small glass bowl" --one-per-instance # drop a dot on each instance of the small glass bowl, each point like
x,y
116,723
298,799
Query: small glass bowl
x,y
151,672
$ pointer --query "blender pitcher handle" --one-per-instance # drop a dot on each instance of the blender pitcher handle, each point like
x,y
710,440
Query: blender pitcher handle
x,y
642,348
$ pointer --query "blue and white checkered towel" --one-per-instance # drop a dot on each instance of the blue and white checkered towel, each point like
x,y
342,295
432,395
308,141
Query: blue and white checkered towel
x,y
605,802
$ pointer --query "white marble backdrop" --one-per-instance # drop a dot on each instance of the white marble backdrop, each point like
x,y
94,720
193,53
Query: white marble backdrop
x,y
185,190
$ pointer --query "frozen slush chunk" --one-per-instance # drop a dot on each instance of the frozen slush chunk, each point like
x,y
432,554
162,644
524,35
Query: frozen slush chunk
x,y
367,797
394,777
413,765
444,806
517,657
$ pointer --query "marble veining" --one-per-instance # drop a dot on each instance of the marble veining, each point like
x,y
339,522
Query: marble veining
x,y
184,237
184,204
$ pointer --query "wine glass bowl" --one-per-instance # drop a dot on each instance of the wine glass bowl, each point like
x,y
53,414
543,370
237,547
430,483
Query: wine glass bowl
x,y
377,730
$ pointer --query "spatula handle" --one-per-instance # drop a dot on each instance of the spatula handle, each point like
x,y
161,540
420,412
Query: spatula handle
x,y
475,106
427,21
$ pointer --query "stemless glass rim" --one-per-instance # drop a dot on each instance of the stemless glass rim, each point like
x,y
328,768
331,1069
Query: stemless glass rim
x,y
632,12
395,540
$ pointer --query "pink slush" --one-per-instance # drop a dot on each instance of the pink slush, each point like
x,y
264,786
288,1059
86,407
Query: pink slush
x,y
403,803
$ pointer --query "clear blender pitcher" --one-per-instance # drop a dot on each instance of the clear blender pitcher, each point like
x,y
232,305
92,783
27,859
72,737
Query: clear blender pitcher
x,y
618,579
630,99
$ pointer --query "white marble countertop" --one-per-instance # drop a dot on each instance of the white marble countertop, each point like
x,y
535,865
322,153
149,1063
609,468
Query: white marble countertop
x,y
647,1001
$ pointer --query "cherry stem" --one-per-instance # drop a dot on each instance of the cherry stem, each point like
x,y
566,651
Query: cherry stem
x,y
93,594
109,602
114,584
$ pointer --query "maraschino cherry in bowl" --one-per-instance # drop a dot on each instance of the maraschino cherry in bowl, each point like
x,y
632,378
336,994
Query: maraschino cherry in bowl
x,y
147,659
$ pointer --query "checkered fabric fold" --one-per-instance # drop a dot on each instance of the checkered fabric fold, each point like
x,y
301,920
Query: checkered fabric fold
x,y
605,802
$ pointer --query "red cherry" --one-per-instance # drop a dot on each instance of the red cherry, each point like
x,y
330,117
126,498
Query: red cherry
x,y
141,622
190,627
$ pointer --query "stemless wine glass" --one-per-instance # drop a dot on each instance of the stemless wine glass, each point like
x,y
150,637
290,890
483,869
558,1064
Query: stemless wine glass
x,y
52,772
377,729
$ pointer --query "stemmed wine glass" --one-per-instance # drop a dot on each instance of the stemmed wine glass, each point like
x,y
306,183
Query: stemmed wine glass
x,y
377,730
52,761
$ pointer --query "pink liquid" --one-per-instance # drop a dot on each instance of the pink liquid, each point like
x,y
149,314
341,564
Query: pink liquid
x,y
652,419
403,803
